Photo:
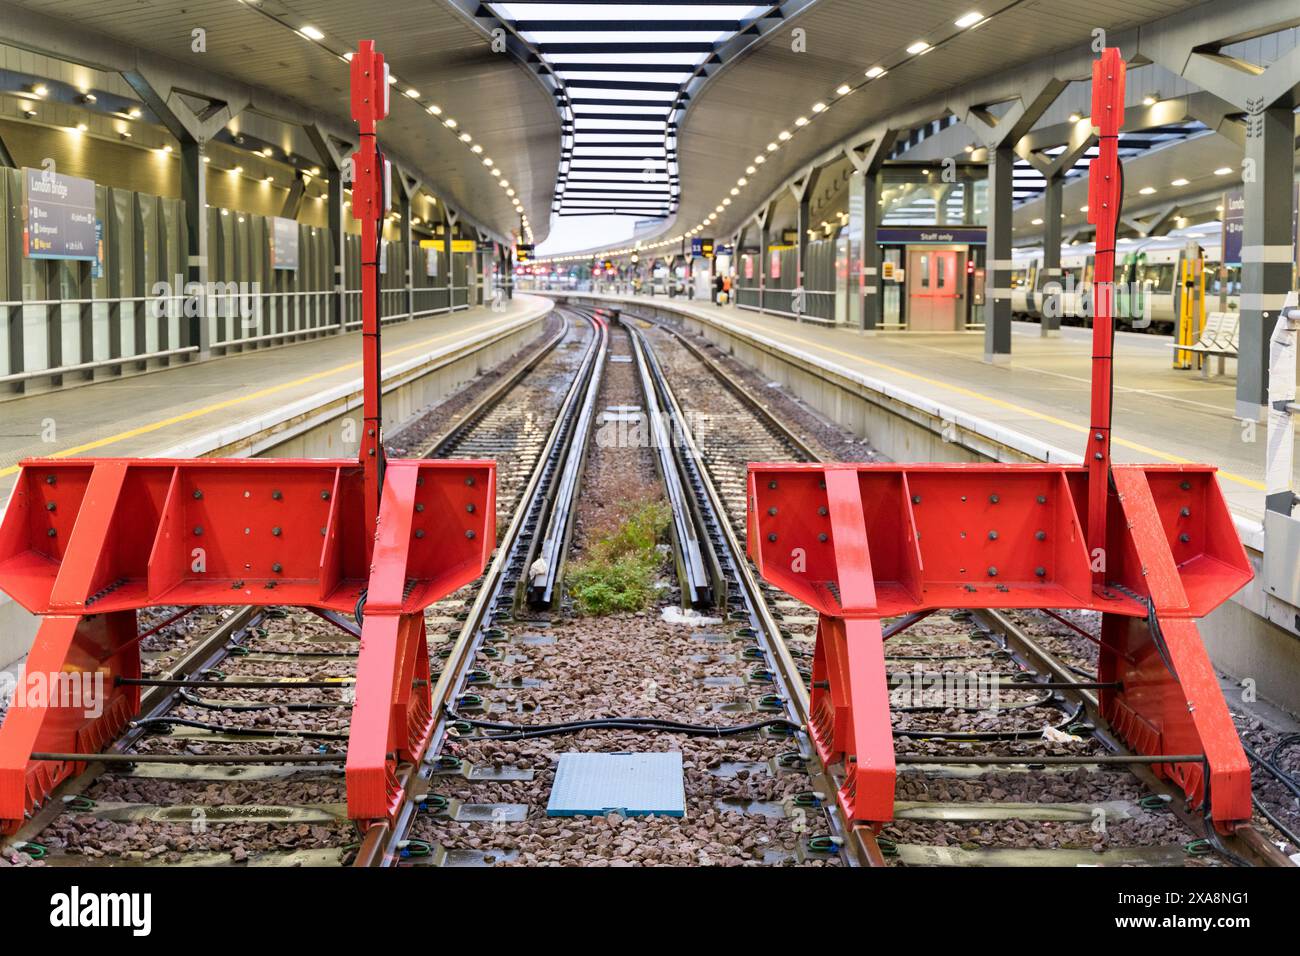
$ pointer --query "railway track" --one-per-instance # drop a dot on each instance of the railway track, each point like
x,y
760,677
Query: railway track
x,y
527,679
982,780
237,756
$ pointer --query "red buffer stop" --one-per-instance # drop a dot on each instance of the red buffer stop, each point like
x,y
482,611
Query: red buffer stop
x,y
1150,547
87,543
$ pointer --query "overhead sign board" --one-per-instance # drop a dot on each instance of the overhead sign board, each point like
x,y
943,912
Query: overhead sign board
x,y
701,247
524,252
457,245
58,216
284,243
971,235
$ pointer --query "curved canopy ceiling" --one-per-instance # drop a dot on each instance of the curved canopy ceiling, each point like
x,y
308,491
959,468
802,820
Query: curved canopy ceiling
x,y
746,122
460,93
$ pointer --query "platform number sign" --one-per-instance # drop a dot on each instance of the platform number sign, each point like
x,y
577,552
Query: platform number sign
x,y
524,252
701,248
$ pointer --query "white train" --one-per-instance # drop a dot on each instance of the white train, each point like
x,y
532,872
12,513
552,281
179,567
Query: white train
x,y
1146,275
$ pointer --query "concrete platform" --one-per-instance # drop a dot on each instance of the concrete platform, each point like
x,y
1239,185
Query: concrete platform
x,y
230,405
293,401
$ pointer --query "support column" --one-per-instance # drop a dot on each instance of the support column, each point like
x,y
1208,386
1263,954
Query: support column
x,y
797,303
192,129
404,232
1265,248
449,221
332,162
335,202
1052,195
762,263
864,251
997,322
194,193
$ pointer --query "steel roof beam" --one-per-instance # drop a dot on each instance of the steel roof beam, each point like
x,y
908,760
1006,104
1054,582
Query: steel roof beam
x,y
641,46
565,67
627,26
618,145
642,86
630,117
606,101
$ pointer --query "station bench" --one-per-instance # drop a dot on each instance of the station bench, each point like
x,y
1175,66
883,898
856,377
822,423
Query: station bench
x,y
1218,340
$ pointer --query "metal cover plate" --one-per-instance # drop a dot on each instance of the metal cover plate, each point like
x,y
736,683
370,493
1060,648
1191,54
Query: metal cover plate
x,y
634,784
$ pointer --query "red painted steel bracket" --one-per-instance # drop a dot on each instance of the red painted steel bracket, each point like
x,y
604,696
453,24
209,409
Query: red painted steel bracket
x,y
860,543
1150,547
86,543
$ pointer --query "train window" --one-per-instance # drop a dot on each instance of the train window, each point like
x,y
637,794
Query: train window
x,y
1160,275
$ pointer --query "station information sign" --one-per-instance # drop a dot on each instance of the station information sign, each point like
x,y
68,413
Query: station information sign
x,y
701,248
524,252
58,216
284,243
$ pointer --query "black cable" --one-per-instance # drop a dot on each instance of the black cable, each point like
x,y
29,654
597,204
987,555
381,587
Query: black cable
x,y
1278,773
160,722
358,610
1277,824
238,705
1287,742
1212,835
651,724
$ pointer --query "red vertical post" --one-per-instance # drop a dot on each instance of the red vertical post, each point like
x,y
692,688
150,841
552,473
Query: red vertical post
x,y
369,203
1105,194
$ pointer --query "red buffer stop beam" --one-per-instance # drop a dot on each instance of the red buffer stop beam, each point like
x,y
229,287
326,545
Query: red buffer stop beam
x,y
1150,547
87,543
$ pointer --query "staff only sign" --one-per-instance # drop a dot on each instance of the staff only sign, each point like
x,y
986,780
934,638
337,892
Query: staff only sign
x,y
58,217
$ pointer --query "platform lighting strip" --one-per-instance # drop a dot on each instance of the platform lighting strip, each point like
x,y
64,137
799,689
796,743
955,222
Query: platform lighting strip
x,y
313,35
919,48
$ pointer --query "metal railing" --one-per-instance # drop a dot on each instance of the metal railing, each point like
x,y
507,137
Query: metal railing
x,y
48,339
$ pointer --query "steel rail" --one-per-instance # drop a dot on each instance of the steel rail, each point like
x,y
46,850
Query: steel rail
x,y
1246,841
382,843
545,568
693,565
154,702
471,416
857,844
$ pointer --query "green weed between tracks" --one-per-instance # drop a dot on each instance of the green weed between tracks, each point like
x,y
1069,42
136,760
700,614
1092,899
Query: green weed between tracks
x,y
620,573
